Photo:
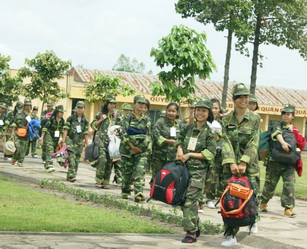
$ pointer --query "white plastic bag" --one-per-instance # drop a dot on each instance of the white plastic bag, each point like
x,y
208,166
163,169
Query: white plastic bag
x,y
114,147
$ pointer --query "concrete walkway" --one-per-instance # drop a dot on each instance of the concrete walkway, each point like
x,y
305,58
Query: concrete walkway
x,y
275,230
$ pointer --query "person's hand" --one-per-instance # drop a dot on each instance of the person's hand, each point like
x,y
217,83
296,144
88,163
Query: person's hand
x,y
234,168
179,154
135,150
185,158
286,146
242,167
103,117
41,142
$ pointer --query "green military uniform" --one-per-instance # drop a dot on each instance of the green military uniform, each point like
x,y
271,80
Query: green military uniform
x,y
104,164
206,145
3,125
77,128
163,152
240,144
275,170
53,129
33,144
21,143
134,164
43,121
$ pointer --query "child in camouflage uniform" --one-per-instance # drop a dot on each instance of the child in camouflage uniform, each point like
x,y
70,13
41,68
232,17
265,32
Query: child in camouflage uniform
x,y
196,147
32,144
76,138
134,149
275,170
239,141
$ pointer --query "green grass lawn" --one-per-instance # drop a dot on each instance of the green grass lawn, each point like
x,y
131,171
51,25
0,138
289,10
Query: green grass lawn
x,y
23,209
300,190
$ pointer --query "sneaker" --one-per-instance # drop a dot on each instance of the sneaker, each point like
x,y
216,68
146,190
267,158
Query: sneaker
x,y
210,204
289,212
51,169
21,165
119,184
189,238
35,156
71,179
200,209
229,241
253,229
264,207
9,159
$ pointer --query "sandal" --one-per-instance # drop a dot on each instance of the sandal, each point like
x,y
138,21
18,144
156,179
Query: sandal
x,y
71,179
139,199
13,162
21,165
189,238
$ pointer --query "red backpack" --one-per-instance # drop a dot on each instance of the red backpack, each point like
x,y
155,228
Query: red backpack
x,y
238,202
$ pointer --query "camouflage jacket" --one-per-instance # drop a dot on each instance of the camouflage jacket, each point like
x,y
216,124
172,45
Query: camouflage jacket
x,y
3,123
240,140
161,132
75,139
53,125
206,144
129,123
20,120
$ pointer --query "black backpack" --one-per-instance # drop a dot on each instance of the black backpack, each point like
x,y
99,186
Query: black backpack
x,y
238,202
282,156
170,184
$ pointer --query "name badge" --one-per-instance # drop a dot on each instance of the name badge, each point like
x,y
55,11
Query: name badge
x,y
78,128
192,143
56,133
1,122
173,132
28,118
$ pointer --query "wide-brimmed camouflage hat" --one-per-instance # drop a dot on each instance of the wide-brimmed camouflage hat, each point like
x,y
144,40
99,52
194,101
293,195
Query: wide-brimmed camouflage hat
x,y
206,103
127,106
80,104
27,101
252,98
239,90
2,105
111,98
139,98
288,108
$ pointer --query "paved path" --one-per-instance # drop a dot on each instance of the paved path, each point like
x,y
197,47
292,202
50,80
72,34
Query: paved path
x,y
275,230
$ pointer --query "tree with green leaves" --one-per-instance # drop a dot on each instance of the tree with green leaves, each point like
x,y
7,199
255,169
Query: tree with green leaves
x,y
276,22
104,85
185,53
10,87
125,64
230,15
44,70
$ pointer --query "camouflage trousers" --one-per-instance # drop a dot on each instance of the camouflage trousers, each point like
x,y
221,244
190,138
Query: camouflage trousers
x,y
44,153
156,165
74,156
21,144
134,166
274,171
32,147
103,166
193,196
255,180
50,145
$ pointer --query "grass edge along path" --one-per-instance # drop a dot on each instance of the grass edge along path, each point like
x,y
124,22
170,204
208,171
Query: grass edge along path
x,y
26,209
109,200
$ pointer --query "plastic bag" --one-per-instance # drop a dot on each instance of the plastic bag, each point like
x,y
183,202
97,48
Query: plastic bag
x,y
114,147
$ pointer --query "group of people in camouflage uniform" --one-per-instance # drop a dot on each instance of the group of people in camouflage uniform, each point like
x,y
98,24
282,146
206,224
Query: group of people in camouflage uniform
x,y
213,145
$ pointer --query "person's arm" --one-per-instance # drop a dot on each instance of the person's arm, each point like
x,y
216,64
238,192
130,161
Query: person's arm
x,y
179,142
66,128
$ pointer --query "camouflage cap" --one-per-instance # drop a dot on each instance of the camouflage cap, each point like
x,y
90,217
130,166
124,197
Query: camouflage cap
x,y
50,104
239,90
35,108
27,101
206,103
139,98
2,105
288,108
127,106
60,108
111,98
19,104
252,98
80,104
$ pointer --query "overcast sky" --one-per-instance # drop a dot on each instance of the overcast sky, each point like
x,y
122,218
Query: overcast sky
x,y
94,33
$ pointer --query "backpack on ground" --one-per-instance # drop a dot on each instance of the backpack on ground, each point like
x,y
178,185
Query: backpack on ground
x,y
170,184
282,156
238,202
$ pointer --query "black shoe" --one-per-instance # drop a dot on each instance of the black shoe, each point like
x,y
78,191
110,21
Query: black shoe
x,y
189,239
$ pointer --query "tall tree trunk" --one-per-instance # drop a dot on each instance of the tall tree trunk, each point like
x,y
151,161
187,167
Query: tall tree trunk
x,y
226,68
255,55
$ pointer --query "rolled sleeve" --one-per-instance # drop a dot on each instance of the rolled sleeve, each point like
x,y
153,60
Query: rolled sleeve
x,y
207,154
245,158
161,140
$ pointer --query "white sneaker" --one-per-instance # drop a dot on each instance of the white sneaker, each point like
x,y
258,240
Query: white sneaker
x,y
9,159
229,241
35,156
210,204
253,229
49,170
